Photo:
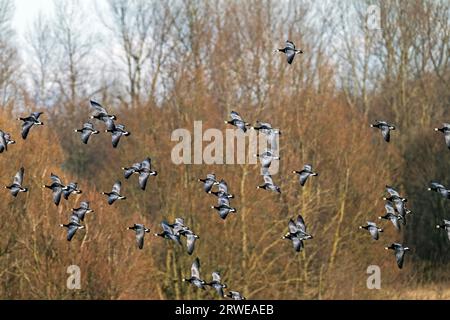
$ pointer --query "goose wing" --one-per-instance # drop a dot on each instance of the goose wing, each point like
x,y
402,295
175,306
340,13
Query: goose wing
x,y
399,256
57,191
18,178
116,135
300,223
268,179
140,232
190,242
223,186
195,269
235,116
26,126
386,132
98,108
143,178
3,143
116,187
292,227
297,243
55,179
36,115
303,177
72,229
374,232
216,276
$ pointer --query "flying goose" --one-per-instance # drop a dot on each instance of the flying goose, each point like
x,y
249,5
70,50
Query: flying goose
x,y
398,201
178,226
305,173
266,158
446,131
373,229
439,188
129,171
385,129
223,208
101,114
235,295
117,131
145,171
446,226
208,182
195,275
168,233
191,237
87,131
392,215
268,184
72,226
290,51
222,189
57,187
217,284
28,122
115,193
140,230
399,251
16,186
237,121
297,233
265,128
5,140
71,188
82,210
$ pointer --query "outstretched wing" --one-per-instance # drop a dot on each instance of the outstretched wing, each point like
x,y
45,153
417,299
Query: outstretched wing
x,y
216,276
235,116
300,223
399,256
146,164
98,107
292,227
195,269
3,143
85,135
55,179
71,232
26,126
386,133
297,243
116,138
303,177
223,186
116,187
57,195
268,179
190,242
140,232
18,178
143,178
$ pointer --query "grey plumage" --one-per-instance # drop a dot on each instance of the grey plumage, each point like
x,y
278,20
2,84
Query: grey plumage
x,y
223,208
168,233
439,188
305,173
30,121
87,131
195,275
16,186
101,114
117,131
208,182
237,121
57,188
72,187
72,227
290,51
446,131
235,295
82,210
392,216
115,193
217,284
140,231
269,185
385,129
399,252
373,229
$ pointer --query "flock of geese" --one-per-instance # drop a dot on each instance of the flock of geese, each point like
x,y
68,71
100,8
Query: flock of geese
x,y
395,206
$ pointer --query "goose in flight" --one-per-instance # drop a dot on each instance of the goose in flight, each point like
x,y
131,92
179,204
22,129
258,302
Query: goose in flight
x,y
87,131
30,121
305,173
399,252
446,131
101,114
115,193
237,121
16,186
385,129
140,231
290,51
195,275
373,229
72,227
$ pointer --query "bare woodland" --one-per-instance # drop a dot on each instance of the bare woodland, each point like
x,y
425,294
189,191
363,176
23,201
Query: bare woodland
x,y
161,65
